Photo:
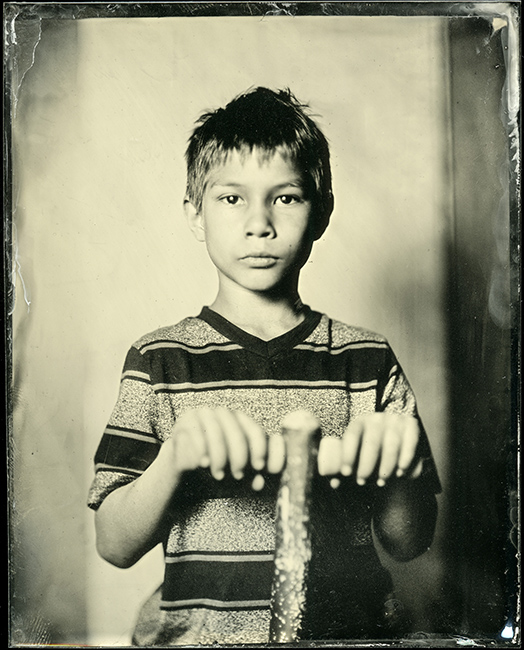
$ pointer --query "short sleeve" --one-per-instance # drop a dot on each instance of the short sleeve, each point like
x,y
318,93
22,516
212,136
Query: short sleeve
x,y
398,397
129,443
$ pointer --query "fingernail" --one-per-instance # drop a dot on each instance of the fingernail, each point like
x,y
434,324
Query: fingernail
x,y
258,464
238,475
361,481
346,470
335,482
381,482
400,472
258,483
204,461
219,475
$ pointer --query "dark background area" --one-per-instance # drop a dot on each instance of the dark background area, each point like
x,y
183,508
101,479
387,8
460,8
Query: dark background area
x,y
482,333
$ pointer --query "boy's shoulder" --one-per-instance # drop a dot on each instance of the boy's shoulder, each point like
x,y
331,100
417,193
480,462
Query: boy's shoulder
x,y
342,334
192,332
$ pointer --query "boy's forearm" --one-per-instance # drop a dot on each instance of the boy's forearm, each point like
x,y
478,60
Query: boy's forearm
x,y
129,521
405,516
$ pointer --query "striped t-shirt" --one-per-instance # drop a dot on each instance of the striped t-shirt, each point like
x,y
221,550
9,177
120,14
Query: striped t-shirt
x,y
219,551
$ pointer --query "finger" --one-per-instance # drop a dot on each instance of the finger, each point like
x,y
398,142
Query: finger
x,y
276,454
370,448
350,446
258,483
409,444
215,442
329,456
236,441
391,442
190,444
418,469
256,438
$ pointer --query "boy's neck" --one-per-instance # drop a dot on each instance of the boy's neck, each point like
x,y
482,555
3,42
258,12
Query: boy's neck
x,y
260,314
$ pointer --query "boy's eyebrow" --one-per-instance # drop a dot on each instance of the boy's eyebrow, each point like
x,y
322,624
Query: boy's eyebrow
x,y
298,182
225,184
294,183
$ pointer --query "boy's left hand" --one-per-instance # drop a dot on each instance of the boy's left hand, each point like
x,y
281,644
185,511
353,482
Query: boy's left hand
x,y
381,443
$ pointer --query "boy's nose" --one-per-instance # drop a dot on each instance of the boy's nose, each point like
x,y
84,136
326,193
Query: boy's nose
x,y
259,222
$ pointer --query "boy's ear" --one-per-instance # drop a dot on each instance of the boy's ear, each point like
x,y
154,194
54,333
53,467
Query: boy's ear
x,y
194,220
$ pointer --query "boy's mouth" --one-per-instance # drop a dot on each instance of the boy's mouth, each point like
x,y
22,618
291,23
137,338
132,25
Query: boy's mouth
x,y
260,260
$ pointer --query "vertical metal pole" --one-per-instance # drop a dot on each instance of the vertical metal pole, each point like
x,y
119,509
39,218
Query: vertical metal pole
x,y
301,431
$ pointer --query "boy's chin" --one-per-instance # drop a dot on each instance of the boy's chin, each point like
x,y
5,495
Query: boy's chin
x,y
281,289
264,288
266,282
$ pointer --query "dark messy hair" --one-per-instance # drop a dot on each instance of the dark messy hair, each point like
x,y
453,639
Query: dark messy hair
x,y
267,121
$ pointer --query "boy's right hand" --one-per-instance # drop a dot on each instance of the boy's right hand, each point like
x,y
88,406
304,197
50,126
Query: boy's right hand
x,y
220,438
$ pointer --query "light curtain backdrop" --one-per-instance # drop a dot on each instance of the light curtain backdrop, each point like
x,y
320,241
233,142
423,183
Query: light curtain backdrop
x,y
103,253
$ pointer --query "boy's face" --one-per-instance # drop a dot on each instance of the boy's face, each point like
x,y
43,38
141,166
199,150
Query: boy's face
x,y
256,220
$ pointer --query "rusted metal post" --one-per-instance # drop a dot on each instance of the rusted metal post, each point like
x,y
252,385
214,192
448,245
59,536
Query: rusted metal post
x,y
301,431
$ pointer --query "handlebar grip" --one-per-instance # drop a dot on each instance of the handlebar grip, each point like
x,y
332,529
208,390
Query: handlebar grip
x,y
301,431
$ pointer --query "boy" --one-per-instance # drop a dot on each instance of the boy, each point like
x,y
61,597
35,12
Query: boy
x,y
192,454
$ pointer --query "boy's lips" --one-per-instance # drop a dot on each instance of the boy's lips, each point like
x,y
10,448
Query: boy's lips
x,y
260,260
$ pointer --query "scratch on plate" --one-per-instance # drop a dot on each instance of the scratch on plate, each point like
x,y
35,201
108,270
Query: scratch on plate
x,y
17,272
21,60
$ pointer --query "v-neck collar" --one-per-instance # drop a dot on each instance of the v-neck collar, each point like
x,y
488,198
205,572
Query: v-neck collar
x,y
250,342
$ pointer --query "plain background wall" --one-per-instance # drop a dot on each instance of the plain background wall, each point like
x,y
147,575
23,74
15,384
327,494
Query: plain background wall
x,y
103,255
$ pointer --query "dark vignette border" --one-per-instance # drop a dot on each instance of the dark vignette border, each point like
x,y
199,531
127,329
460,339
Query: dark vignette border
x,y
36,12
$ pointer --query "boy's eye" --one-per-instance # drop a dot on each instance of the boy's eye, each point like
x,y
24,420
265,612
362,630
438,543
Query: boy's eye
x,y
230,199
288,199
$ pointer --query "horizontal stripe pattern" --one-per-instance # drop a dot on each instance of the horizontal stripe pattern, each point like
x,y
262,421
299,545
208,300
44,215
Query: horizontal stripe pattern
x,y
352,364
228,347
210,556
108,467
123,449
131,433
137,375
218,580
216,574
353,345
175,345
185,366
208,603
256,384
